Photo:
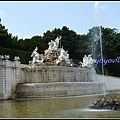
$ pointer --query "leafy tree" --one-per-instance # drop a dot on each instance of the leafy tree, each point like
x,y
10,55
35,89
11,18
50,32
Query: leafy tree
x,y
3,35
37,41
111,47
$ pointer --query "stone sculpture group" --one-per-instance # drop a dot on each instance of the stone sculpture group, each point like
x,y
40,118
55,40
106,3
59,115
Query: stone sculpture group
x,y
88,61
56,55
52,56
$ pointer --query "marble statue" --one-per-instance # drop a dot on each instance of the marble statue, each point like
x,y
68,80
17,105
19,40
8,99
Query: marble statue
x,y
53,45
57,40
55,55
36,57
63,56
52,56
91,61
85,61
88,61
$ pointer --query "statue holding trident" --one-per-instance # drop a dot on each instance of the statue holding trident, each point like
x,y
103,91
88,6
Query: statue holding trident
x,y
57,40
53,45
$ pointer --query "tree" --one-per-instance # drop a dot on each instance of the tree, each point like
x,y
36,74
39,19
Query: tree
x,y
3,35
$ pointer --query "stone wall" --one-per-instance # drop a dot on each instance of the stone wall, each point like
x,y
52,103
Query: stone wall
x,y
58,89
10,75
46,74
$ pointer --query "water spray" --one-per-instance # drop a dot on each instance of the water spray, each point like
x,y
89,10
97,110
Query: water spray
x,y
97,18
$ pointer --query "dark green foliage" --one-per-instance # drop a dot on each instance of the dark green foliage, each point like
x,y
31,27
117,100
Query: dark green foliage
x,y
25,57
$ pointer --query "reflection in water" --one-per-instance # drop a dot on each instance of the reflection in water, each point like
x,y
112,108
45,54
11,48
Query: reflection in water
x,y
72,107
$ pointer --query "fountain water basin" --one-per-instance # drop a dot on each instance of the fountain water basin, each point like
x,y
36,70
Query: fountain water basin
x,y
58,81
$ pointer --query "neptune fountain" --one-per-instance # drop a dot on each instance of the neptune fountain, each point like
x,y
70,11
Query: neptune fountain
x,y
58,56
54,74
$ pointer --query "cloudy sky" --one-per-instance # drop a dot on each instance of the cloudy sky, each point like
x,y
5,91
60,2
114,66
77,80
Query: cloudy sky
x,y
26,19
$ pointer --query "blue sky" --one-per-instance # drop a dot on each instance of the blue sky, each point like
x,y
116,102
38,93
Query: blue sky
x,y
30,18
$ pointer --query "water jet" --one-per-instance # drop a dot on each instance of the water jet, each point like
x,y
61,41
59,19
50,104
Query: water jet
x,y
103,103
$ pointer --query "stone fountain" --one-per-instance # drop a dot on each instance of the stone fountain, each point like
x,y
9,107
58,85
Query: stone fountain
x,y
53,74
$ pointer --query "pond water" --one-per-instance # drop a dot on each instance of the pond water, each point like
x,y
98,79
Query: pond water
x,y
70,107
